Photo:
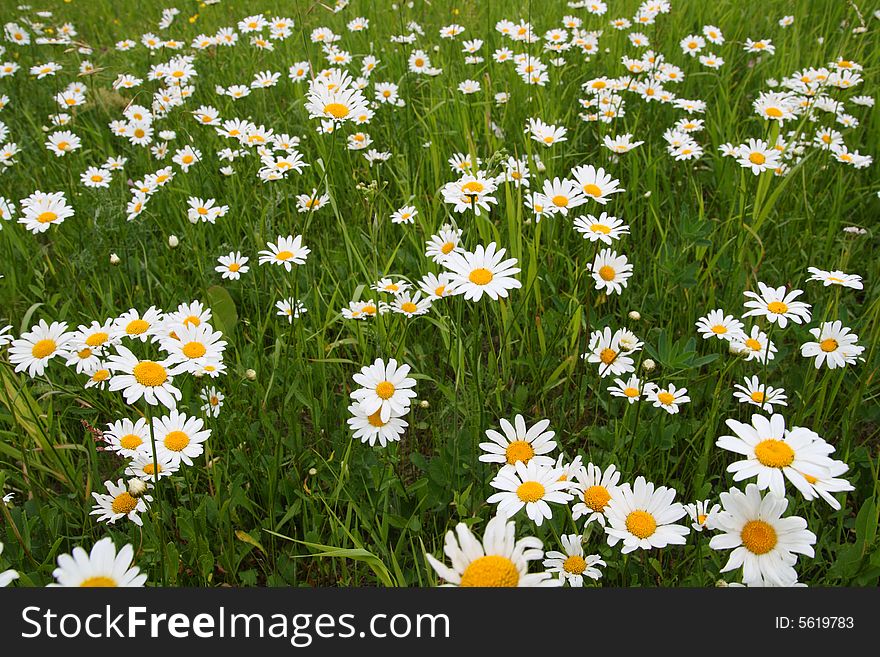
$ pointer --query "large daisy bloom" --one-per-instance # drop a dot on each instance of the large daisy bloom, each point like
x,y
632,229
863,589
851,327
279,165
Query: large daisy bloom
x,y
103,567
180,437
194,345
777,306
643,517
595,183
482,272
499,560
718,325
610,271
835,345
35,348
572,565
149,379
384,388
594,488
40,210
773,454
763,542
532,486
519,443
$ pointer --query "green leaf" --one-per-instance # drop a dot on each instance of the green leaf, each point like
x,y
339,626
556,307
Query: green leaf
x,y
223,309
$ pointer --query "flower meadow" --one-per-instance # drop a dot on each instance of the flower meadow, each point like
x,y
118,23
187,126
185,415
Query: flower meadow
x,y
458,293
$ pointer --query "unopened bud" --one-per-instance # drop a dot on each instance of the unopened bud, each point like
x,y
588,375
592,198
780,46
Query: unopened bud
x,y
648,365
251,375
313,472
635,315
424,403
114,259
173,241
136,487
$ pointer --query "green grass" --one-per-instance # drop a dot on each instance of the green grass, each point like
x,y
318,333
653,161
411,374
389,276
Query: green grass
x,y
283,495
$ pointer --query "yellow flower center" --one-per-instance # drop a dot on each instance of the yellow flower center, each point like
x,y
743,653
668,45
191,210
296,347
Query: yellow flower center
x,y
369,310
758,397
96,178
43,348
774,453
84,353
194,350
665,398
560,201
176,441
519,450
440,290
99,581
492,570
139,133
701,519
97,339
336,110
592,190
574,565
641,524
719,329
828,345
473,187
530,491
757,158
187,159
148,468
101,375
385,390
596,497
607,273
758,537
123,503
284,255
150,374
775,112
753,344
234,267
631,392
131,441
810,478
136,327
777,307
447,248
375,420
600,228
46,217
607,356
481,276
63,145
408,307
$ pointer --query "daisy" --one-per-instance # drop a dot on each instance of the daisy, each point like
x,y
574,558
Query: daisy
x,y
149,379
119,503
102,567
232,266
204,210
35,348
311,202
595,183
127,438
532,486
758,156
777,306
835,277
96,178
39,211
773,454
191,345
607,350
213,399
621,143
610,271
604,229
436,287
631,389
286,252
482,272
409,304
443,243
643,517
186,157
835,346
594,489
499,560
290,308
754,346
702,514
371,428
571,564
384,388
764,543
389,285
825,486
405,215
334,102
546,134
142,465
756,393
518,443
718,325
63,142
563,195
180,437
667,398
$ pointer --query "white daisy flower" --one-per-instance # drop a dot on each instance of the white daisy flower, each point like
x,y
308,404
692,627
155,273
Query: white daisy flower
x,y
594,488
532,486
102,567
485,271
519,443
384,388
835,345
149,379
777,305
118,503
371,428
571,564
643,517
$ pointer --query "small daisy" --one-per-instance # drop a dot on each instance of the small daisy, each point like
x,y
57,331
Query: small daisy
x,y
825,486
594,489
118,503
132,324
631,389
718,325
571,564
777,306
290,308
102,567
232,266
758,156
702,514
518,443
35,348
609,352
143,467
532,486
443,243
595,183
563,195
499,560
286,251
754,346
385,388
643,517
764,543
436,287
605,229
409,304
180,437
482,272
390,286
213,399
756,393
667,398
835,345
149,379
127,438
371,428
610,271
405,215
192,345
835,277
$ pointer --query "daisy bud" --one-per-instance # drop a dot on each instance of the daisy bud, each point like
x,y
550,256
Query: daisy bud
x,y
424,403
114,259
721,584
648,194
648,365
313,472
227,171
635,315
251,375
737,349
136,487
173,241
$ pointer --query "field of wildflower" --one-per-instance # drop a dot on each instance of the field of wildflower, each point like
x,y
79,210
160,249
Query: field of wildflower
x,y
459,292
